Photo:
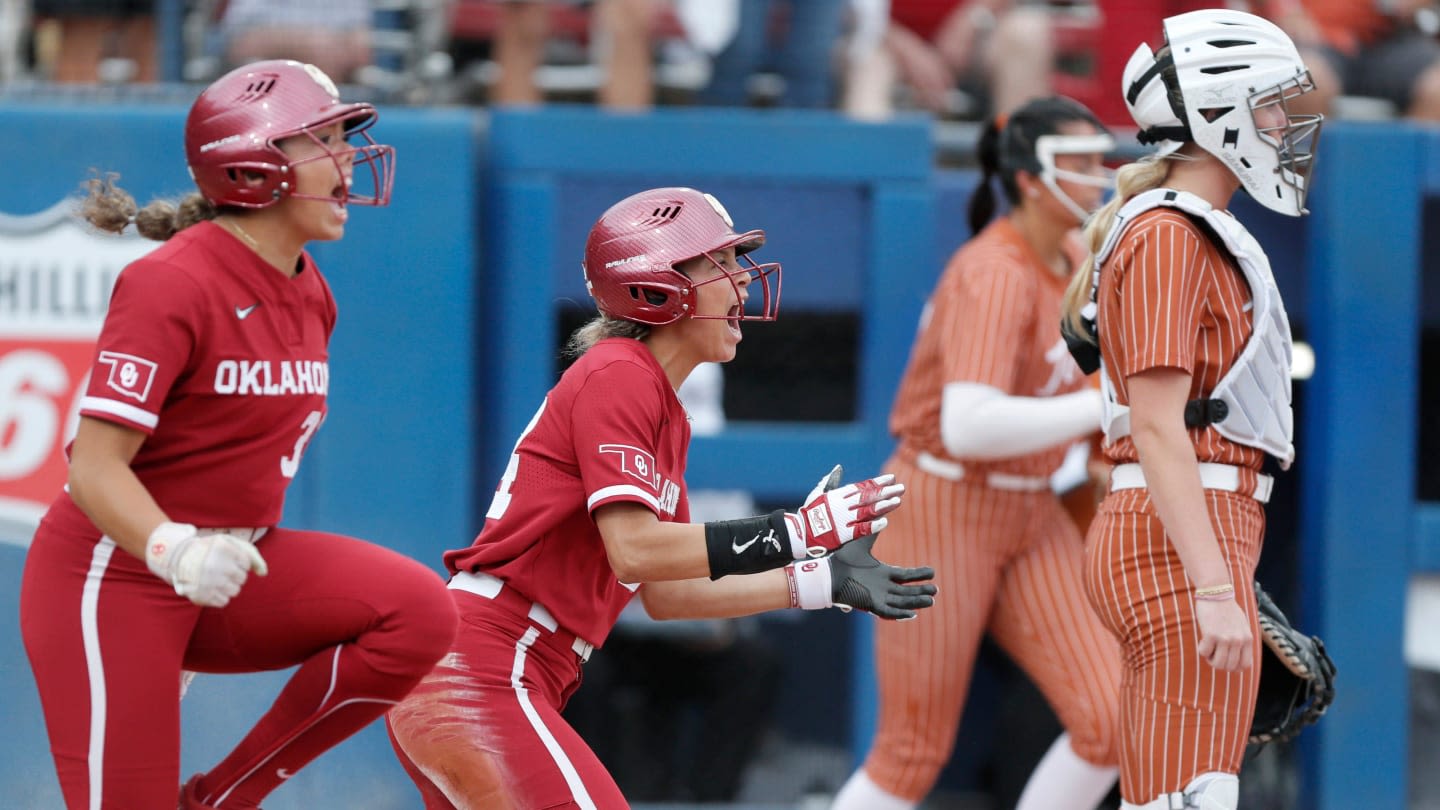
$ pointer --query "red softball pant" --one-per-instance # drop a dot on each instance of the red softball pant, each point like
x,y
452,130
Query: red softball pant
x,y
483,729
107,641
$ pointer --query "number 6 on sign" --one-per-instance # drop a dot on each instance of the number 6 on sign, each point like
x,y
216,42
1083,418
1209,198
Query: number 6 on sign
x,y
289,465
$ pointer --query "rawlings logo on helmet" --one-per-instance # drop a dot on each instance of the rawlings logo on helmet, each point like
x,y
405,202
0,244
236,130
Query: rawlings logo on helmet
x,y
217,144
626,260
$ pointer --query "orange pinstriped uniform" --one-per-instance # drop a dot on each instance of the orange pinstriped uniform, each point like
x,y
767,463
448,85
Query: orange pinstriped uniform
x,y
1169,297
1007,560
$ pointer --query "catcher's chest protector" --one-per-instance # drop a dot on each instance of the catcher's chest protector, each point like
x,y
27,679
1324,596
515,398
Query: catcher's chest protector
x,y
1257,388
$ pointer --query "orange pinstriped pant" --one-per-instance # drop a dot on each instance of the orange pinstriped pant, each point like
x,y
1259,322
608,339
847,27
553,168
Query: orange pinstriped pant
x,y
1007,562
1179,716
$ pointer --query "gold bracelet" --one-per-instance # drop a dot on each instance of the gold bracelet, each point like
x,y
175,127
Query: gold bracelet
x,y
1217,593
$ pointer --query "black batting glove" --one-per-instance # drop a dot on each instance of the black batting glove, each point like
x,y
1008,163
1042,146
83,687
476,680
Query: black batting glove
x,y
852,578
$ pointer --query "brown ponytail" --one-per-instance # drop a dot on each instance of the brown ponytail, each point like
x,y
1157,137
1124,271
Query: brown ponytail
x,y
110,208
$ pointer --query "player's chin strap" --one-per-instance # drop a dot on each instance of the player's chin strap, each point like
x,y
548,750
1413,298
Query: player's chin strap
x,y
1208,791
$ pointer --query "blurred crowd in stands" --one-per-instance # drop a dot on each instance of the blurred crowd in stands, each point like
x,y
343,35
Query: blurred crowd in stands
x,y
960,59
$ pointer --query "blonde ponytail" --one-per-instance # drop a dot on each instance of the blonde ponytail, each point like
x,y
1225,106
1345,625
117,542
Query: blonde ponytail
x,y
1132,179
599,328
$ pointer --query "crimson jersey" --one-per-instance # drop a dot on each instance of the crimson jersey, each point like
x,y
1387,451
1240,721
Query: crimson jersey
x,y
222,361
611,430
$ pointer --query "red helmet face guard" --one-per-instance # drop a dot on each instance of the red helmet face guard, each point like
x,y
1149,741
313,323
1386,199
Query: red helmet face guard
x,y
234,129
378,161
766,276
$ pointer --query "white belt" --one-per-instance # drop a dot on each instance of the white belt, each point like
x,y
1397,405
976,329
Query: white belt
x,y
248,535
954,471
490,587
1212,476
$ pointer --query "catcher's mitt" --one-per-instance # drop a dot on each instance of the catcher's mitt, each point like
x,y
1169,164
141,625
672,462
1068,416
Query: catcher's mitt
x,y
1297,677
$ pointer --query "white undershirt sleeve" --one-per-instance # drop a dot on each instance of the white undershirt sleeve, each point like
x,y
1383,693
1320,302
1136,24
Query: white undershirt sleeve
x,y
982,422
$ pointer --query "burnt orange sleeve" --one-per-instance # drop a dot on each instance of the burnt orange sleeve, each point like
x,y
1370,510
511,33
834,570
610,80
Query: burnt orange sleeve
x,y
1159,285
988,327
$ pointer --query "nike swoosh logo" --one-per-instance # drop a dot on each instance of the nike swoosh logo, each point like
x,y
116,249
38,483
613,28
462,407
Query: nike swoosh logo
x,y
283,773
244,312
739,547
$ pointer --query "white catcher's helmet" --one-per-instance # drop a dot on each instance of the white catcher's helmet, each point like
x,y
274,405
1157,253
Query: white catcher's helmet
x,y
1225,66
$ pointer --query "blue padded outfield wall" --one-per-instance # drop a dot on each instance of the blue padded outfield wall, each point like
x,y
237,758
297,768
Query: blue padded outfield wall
x,y
450,306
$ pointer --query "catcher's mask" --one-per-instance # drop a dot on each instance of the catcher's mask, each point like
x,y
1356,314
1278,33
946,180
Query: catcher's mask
x,y
1220,73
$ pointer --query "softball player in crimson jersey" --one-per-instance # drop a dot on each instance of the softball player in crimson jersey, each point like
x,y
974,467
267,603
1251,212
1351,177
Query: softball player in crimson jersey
x,y
984,415
1194,350
592,509
210,378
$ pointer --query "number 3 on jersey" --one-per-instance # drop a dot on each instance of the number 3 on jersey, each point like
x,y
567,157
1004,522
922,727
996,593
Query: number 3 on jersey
x,y
501,501
289,465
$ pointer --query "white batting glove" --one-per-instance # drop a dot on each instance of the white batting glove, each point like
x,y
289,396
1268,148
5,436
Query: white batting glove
x,y
206,570
832,517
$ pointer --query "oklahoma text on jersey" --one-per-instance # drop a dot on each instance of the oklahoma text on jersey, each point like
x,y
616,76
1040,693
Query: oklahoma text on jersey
x,y
257,377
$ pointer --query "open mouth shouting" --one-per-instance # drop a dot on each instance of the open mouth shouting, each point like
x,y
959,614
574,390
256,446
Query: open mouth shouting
x,y
339,196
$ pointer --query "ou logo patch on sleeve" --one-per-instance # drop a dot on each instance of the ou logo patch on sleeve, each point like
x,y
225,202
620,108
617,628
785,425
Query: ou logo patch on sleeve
x,y
635,463
129,375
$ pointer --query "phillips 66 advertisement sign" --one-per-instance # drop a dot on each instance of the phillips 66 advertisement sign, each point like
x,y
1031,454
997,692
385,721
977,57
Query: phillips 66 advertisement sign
x,y
56,274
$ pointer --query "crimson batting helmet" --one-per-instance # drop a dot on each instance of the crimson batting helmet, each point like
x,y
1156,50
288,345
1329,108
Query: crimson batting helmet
x,y
233,129
633,250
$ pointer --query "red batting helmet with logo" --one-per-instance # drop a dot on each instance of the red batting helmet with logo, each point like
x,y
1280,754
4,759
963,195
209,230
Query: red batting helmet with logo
x,y
634,248
232,132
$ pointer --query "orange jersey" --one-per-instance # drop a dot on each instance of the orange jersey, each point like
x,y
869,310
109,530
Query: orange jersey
x,y
1015,556
1171,298
1347,24
993,319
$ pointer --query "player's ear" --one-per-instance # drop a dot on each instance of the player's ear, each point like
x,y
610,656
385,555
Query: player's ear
x,y
1028,184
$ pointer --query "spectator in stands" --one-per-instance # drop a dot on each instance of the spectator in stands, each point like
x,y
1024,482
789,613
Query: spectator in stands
x,y
800,52
934,45
1375,49
100,39
623,27
333,35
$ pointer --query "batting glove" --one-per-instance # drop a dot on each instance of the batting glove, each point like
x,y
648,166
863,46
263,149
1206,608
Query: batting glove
x,y
832,517
206,570
853,578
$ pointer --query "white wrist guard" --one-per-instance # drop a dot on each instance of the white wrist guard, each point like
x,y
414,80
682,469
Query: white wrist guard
x,y
162,548
810,584
796,526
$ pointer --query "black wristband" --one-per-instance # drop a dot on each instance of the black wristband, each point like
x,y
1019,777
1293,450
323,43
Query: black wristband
x,y
748,545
